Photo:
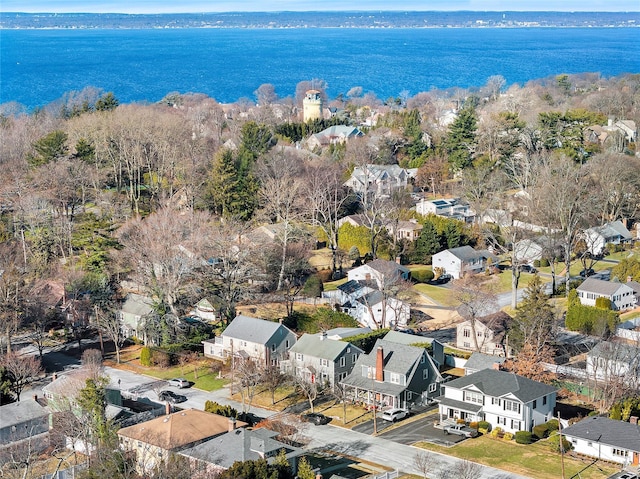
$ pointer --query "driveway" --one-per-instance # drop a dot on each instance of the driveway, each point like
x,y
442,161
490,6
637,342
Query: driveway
x,y
420,429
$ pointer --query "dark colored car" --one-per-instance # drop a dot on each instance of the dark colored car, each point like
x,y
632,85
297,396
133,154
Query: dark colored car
x,y
171,397
316,418
585,273
527,268
445,278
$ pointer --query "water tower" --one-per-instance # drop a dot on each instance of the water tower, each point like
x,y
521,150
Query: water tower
x,y
312,106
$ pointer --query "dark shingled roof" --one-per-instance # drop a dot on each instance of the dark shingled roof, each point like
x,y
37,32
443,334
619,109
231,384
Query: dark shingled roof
x,y
606,431
501,383
479,361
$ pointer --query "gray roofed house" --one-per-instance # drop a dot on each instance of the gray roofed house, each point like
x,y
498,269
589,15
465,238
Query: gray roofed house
x,y
479,361
397,375
24,420
505,400
133,313
344,333
597,238
247,337
606,439
621,295
211,457
437,348
612,360
462,260
377,179
487,334
316,358
333,135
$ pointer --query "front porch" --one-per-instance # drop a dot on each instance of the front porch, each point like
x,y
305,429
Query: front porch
x,y
452,410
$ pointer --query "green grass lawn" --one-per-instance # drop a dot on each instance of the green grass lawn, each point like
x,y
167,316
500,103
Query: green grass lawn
x,y
440,295
533,460
207,380
333,285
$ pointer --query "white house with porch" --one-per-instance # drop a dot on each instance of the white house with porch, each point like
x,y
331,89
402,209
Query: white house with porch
x,y
505,400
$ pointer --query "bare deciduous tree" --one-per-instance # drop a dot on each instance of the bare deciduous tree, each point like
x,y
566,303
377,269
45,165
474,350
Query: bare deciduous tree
x,y
22,371
475,297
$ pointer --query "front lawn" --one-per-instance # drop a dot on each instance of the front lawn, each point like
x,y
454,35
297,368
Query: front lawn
x,y
533,460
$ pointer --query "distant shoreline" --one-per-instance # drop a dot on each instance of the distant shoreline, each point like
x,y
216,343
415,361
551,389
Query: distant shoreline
x,y
318,19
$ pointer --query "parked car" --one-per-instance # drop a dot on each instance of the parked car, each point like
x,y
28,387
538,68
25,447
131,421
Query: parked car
x,y
316,418
585,273
179,383
393,415
527,268
442,279
460,430
171,397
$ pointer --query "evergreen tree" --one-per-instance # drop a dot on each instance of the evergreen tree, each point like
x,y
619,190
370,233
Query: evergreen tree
x,y
107,102
460,142
427,244
534,318
49,148
223,184
304,469
451,235
85,150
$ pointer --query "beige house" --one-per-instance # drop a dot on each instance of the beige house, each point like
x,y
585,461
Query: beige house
x,y
488,335
153,441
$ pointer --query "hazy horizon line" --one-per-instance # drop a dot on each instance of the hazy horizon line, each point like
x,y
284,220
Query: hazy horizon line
x,y
312,11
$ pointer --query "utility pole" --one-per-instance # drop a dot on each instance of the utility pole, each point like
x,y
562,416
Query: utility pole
x,y
561,445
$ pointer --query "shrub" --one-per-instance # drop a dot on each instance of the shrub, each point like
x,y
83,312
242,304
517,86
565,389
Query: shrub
x,y
460,421
484,425
603,303
219,409
161,358
473,425
508,436
552,425
145,356
483,431
540,431
536,264
422,275
313,287
544,263
496,432
324,275
523,437
554,443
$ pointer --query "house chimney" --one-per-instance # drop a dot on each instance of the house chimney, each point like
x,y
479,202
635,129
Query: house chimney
x,y
167,408
629,279
633,420
496,366
323,335
318,476
35,397
232,424
380,364
398,259
54,376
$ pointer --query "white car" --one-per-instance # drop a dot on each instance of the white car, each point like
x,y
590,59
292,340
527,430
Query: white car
x,y
179,383
393,415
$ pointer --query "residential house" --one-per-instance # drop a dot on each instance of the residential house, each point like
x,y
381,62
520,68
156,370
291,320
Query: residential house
x,y
333,135
133,313
435,347
447,208
635,286
621,295
599,237
405,230
316,358
344,333
505,400
528,250
378,179
24,422
210,458
380,271
354,220
609,360
205,311
627,128
152,442
479,361
488,334
369,306
393,375
463,260
606,439
251,338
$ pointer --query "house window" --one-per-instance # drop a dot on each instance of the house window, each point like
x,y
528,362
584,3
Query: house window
x,y
353,358
495,401
324,362
299,357
273,347
409,395
534,404
432,387
394,378
620,452
422,359
466,345
474,397
511,406
466,333
286,343
502,420
425,373
515,424
544,400
342,361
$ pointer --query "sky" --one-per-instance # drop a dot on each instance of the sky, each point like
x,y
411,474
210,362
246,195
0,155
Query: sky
x,y
191,6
